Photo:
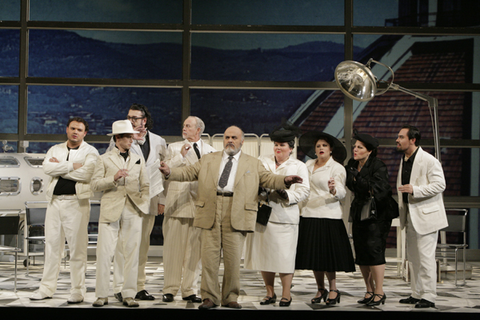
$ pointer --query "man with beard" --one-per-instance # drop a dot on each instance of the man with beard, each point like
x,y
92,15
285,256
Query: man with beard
x,y
227,204
181,243
420,183
122,177
70,164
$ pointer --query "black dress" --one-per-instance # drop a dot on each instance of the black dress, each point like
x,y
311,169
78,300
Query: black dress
x,y
369,236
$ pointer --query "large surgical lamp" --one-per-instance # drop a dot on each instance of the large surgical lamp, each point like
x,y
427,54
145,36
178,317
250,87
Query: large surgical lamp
x,y
358,82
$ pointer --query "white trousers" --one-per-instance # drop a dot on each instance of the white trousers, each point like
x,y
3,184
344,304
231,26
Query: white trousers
x,y
421,257
125,232
181,256
66,218
148,221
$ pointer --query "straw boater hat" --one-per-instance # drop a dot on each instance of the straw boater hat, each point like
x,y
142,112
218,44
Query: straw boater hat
x,y
122,126
308,140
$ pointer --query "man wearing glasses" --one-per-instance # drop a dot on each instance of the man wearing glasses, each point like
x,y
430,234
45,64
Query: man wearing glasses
x,y
151,147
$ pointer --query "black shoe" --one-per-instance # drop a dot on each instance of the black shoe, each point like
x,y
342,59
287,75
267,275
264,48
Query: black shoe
x,y
374,303
193,298
409,300
168,297
144,295
269,300
324,296
284,302
334,300
118,296
424,304
366,300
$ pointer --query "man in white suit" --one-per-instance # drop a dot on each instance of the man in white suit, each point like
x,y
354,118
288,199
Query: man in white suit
x,y
70,164
181,247
122,177
151,147
420,184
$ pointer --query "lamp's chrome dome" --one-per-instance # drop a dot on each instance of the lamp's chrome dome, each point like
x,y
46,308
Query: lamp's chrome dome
x,y
356,80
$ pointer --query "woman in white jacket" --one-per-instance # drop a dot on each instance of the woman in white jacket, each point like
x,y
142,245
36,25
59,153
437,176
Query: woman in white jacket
x,y
271,248
323,244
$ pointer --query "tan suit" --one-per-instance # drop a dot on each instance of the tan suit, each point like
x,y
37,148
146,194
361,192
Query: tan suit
x,y
181,240
121,207
225,220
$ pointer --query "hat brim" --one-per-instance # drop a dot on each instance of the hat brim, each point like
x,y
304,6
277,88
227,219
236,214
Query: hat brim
x,y
307,145
117,133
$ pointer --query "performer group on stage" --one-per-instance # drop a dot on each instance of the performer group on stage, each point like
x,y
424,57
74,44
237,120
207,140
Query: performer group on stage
x,y
286,213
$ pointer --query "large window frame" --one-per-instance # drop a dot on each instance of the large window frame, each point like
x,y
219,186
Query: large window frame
x,y
186,84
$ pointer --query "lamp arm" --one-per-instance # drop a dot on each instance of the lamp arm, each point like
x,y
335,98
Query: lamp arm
x,y
433,107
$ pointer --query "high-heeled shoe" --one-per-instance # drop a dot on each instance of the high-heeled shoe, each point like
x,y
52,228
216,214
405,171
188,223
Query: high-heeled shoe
x,y
334,300
284,302
269,300
323,297
374,303
366,300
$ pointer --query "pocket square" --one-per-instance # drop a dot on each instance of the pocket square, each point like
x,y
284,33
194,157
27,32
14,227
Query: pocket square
x,y
138,161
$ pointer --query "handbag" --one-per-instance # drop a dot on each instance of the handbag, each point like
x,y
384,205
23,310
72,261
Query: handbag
x,y
369,210
263,213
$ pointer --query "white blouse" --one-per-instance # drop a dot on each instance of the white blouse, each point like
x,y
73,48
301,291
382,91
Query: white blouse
x,y
321,203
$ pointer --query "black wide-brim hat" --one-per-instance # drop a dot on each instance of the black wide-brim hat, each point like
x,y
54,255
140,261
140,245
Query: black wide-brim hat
x,y
367,139
308,140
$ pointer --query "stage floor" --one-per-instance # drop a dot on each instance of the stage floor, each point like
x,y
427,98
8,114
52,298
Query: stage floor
x,y
451,299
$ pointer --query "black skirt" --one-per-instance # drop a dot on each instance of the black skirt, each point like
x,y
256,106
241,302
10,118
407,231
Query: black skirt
x,y
323,245
370,240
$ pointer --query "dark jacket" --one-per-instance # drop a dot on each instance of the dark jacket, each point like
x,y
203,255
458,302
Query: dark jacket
x,y
373,177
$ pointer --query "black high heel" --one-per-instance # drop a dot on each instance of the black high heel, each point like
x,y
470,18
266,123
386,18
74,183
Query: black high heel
x,y
334,300
284,302
269,300
367,300
322,297
374,303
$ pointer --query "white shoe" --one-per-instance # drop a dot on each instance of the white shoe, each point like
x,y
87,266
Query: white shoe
x,y
130,302
100,302
39,295
75,298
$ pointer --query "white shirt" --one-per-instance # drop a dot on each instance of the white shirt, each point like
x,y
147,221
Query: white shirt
x,y
231,177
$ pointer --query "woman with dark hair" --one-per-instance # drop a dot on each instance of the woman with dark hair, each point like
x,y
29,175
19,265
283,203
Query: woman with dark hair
x,y
271,248
323,244
366,176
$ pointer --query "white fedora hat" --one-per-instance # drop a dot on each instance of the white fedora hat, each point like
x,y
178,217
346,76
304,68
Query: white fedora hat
x,y
122,126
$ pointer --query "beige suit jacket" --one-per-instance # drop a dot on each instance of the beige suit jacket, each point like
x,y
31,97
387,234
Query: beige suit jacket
x,y
115,193
250,174
181,196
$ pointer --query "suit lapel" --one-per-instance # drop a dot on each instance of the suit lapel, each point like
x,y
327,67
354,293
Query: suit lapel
x,y
116,159
213,168
241,169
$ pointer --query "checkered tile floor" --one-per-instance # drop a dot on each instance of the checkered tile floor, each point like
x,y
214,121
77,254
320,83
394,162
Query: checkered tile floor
x,y
451,299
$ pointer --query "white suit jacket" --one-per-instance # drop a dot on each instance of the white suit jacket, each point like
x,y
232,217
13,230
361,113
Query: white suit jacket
x,y
181,196
135,187
86,155
426,207
158,150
